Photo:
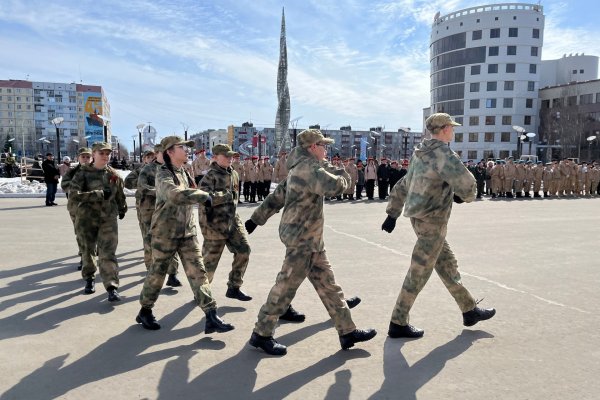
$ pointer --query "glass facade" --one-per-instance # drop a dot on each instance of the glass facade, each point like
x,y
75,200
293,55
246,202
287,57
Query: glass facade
x,y
473,55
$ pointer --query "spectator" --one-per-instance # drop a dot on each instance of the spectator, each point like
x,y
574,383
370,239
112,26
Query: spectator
x,y
51,175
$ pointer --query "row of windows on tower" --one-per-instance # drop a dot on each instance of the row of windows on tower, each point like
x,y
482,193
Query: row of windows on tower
x,y
510,51
492,103
487,137
495,33
492,86
510,68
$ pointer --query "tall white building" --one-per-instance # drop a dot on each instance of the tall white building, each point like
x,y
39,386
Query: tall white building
x,y
485,71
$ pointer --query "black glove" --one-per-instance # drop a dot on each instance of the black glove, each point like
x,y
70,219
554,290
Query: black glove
x,y
389,224
121,215
208,202
208,208
458,200
250,226
107,193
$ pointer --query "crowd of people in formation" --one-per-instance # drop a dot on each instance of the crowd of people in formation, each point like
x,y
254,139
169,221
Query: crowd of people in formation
x,y
169,188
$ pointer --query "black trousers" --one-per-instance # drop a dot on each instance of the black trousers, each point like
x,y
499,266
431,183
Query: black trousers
x,y
382,188
370,188
359,190
246,189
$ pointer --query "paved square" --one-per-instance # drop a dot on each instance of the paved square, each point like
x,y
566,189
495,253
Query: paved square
x,y
536,261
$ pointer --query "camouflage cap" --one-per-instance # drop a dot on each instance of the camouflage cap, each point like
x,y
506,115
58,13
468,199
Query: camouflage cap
x,y
158,148
439,120
84,150
308,137
99,146
223,149
148,152
171,141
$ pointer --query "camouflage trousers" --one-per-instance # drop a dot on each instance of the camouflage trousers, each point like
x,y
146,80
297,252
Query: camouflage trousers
x,y
163,250
73,216
99,237
431,251
300,263
237,243
145,219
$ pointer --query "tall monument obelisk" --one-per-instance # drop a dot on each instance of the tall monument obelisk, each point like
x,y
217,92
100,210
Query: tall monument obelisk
x,y
282,119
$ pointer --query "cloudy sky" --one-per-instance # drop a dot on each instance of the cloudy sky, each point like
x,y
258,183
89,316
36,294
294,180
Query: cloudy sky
x,y
210,64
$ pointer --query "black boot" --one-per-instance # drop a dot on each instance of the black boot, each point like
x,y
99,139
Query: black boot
x,y
404,331
80,266
173,281
146,318
477,314
536,194
90,286
215,324
358,335
292,315
113,295
268,344
236,293
353,301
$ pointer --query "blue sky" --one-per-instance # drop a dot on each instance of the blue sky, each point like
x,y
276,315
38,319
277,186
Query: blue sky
x,y
210,64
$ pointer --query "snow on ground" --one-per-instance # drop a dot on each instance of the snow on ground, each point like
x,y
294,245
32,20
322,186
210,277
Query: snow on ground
x,y
14,187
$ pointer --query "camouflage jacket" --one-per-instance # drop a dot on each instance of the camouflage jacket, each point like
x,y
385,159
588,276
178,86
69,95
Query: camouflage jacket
x,y
200,164
174,216
145,195
435,174
280,171
132,178
301,197
223,184
87,189
65,185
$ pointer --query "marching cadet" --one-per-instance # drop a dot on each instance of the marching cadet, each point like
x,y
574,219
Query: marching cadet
x,y
310,178
132,178
435,178
510,171
519,180
251,173
200,165
267,172
173,231
221,225
84,157
538,177
145,204
239,168
594,178
98,190
259,178
351,169
497,174
564,167
280,171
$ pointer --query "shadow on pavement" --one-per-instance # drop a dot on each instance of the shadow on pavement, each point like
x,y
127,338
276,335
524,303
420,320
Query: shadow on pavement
x,y
402,381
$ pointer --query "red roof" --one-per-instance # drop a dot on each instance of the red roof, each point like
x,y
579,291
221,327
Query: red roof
x,y
16,84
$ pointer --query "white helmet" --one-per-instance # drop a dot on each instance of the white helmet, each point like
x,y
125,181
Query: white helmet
x,y
66,159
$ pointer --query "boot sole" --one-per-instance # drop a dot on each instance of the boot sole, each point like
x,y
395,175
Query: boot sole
x,y
218,330
350,345
257,346
150,328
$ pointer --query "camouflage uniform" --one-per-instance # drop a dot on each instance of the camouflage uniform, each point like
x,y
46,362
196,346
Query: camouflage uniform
x,y
96,220
281,170
225,228
65,184
173,231
200,165
435,174
145,204
301,230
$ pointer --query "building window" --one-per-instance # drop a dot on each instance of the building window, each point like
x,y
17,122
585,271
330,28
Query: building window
x,y
458,137
511,68
472,154
473,137
489,137
475,69
490,103
513,32
597,97
528,103
574,72
476,35
503,154
511,50
571,101
527,120
490,120
474,87
536,33
492,68
493,51
586,99
532,68
473,104
530,86
581,71
509,85
494,33
473,121
459,153
506,120
505,136
534,51
492,86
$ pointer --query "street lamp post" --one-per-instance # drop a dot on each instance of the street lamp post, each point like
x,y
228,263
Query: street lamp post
x,y
105,121
185,130
590,139
133,153
530,137
520,136
374,135
139,128
57,121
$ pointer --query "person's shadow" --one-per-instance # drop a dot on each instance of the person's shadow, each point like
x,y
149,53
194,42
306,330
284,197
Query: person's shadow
x,y
402,381
235,377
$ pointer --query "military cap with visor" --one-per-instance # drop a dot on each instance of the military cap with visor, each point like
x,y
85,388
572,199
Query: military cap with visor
x,y
308,137
223,149
84,150
438,121
99,146
171,141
